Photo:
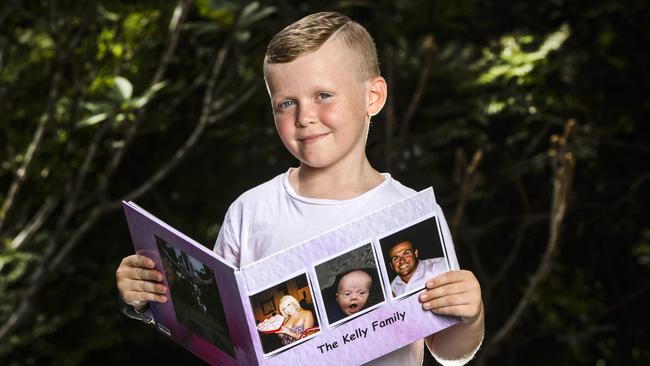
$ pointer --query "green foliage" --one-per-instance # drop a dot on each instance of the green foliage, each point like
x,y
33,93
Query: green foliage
x,y
513,62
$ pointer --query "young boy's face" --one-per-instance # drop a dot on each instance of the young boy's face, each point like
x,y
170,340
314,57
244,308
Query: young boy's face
x,y
321,106
352,292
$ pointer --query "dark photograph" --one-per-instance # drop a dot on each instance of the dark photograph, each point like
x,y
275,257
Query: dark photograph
x,y
195,296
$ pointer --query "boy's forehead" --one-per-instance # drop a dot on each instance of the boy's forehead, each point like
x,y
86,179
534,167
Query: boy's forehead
x,y
333,55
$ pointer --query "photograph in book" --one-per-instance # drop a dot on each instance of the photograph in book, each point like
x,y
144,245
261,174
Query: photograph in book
x,y
195,296
350,284
285,314
412,256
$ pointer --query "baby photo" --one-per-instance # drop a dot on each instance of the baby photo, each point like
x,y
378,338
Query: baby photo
x,y
285,314
350,284
412,256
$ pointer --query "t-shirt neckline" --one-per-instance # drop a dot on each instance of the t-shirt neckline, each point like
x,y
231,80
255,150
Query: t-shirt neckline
x,y
325,201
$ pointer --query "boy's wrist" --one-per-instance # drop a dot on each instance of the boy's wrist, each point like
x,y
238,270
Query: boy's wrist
x,y
478,318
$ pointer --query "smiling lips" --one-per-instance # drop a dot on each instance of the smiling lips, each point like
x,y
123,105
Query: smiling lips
x,y
313,138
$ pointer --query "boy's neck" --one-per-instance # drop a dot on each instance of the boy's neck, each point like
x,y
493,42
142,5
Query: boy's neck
x,y
337,183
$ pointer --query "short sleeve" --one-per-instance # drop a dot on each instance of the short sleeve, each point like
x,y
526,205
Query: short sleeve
x,y
227,245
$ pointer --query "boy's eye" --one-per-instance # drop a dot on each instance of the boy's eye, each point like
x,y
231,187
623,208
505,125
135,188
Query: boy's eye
x,y
286,104
324,95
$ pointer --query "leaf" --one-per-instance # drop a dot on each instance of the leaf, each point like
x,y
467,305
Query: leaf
x,y
124,88
250,14
142,100
98,106
106,14
92,120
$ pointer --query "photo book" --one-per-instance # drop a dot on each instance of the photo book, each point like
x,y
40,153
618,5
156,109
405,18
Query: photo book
x,y
347,296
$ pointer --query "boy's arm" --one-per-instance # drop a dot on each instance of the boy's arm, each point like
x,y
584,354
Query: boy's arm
x,y
455,293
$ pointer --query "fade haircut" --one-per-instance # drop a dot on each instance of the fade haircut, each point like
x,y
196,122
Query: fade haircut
x,y
311,32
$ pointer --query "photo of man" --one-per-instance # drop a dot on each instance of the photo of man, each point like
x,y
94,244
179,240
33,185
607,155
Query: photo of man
x,y
413,256
412,272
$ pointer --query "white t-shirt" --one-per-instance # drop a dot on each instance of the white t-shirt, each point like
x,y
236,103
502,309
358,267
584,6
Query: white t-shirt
x,y
272,217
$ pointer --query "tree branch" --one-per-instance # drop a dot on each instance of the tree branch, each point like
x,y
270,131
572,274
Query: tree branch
x,y
40,275
235,105
71,197
45,266
430,48
469,180
178,17
194,136
35,223
37,138
563,165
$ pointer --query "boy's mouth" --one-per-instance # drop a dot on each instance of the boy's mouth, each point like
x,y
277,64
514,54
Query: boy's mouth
x,y
353,308
313,138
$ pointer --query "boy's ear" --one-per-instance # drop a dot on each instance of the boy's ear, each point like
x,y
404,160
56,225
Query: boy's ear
x,y
377,94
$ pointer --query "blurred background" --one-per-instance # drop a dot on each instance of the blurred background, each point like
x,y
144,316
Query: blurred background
x,y
529,119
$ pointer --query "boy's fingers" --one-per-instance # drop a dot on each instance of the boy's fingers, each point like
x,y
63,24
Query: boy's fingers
x,y
445,278
146,274
445,290
446,301
143,296
468,313
153,287
136,260
456,310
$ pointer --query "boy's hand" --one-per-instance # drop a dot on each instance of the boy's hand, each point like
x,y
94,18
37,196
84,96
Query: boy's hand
x,y
138,282
456,293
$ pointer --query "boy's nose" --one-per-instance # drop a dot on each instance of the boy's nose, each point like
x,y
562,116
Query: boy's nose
x,y
305,117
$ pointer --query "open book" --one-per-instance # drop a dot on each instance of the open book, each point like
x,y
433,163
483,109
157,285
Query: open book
x,y
246,316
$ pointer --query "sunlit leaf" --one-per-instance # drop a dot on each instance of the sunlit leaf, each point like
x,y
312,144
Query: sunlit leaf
x,y
124,87
97,106
142,100
250,14
94,119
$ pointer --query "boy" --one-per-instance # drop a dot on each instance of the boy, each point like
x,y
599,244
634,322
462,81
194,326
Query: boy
x,y
352,291
323,79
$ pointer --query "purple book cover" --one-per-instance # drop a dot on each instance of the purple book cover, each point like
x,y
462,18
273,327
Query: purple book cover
x,y
204,311
342,296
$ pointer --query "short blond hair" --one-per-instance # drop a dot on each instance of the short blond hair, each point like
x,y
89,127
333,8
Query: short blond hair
x,y
288,299
311,32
